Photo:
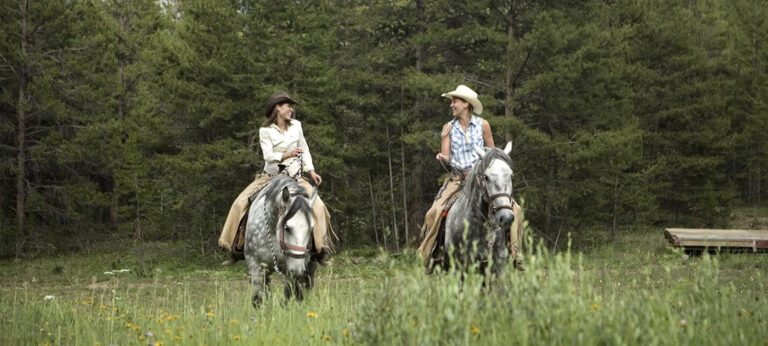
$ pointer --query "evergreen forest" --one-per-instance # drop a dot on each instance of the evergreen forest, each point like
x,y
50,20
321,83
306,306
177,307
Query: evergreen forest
x,y
138,119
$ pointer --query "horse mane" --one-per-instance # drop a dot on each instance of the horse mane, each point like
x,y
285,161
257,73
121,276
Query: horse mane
x,y
474,193
272,193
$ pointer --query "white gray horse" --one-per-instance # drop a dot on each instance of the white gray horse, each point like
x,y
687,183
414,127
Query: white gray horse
x,y
478,223
278,236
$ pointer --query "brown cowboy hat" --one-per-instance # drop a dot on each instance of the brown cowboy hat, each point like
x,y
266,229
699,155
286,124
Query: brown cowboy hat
x,y
277,99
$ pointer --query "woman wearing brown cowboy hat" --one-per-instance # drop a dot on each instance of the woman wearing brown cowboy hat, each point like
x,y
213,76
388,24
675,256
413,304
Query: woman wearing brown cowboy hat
x,y
285,151
457,141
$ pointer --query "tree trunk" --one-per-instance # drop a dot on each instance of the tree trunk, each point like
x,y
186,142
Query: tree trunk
x,y
392,194
509,87
21,108
549,199
402,171
405,190
419,30
373,210
615,209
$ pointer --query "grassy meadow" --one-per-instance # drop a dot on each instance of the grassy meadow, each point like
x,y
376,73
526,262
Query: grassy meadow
x,y
636,290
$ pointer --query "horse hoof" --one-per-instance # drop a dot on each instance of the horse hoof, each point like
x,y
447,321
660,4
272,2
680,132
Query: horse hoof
x,y
256,301
519,266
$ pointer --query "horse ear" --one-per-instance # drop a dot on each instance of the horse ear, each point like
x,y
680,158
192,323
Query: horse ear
x,y
286,194
479,150
508,148
313,198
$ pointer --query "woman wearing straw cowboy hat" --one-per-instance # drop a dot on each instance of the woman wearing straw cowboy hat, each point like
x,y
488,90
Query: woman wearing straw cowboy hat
x,y
457,141
285,151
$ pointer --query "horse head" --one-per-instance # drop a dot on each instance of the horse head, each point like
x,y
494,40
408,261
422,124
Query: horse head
x,y
294,228
494,175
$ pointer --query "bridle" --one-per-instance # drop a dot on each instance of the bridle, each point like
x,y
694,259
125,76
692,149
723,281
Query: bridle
x,y
292,209
287,248
490,198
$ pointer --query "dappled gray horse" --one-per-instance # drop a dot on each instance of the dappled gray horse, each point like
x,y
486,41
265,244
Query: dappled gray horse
x,y
478,223
277,238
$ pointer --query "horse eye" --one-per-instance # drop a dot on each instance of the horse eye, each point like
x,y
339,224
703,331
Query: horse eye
x,y
486,178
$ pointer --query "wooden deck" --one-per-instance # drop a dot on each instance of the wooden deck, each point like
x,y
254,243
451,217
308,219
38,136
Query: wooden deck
x,y
699,239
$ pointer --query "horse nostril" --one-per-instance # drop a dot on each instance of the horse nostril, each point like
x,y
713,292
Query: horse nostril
x,y
506,218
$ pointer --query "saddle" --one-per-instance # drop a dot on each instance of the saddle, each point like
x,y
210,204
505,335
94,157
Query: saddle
x,y
436,254
238,245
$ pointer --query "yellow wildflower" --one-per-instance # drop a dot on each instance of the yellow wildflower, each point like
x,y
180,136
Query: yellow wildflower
x,y
474,329
326,337
209,313
312,314
233,321
594,307
128,325
167,331
237,337
176,338
344,332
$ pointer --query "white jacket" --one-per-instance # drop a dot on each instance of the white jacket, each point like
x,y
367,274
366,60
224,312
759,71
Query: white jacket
x,y
275,142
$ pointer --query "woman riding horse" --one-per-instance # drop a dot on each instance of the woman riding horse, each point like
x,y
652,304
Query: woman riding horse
x,y
285,151
458,140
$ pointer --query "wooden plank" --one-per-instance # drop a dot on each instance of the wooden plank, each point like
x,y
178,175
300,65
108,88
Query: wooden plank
x,y
717,238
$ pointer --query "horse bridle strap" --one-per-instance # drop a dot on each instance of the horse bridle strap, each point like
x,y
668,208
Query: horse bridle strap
x,y
281,232
492,197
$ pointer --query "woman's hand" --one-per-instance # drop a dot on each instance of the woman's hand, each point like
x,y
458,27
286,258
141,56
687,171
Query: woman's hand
x,y
441,157
316,177
293,153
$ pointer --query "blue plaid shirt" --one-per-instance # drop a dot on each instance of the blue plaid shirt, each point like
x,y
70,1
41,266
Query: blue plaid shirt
x,y
463,155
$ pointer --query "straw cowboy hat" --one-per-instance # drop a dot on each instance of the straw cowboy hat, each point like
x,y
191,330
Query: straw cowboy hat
x,y
277,99
465,93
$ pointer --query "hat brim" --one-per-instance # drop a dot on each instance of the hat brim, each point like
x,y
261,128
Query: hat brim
x,y
477,106
278,101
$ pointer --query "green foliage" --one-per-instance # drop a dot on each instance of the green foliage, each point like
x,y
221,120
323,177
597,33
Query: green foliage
x,y
141,118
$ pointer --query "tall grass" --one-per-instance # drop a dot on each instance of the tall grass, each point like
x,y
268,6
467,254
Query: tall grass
x,y
563,298
559,301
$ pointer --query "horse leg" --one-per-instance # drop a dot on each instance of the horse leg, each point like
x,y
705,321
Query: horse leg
x,y
298,287
309,281
293,288
259,280
500,253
